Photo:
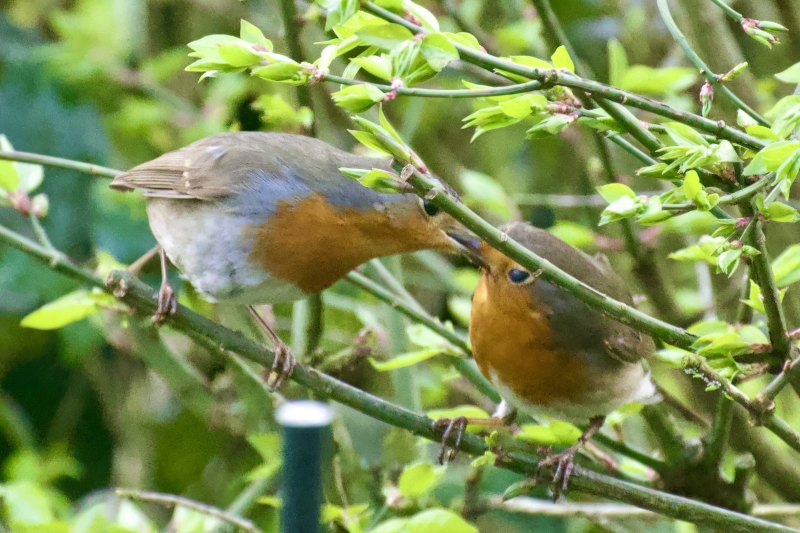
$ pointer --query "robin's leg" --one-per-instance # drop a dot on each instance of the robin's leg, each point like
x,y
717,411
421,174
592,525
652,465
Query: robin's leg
x,y
137,265
284,362
565,461
167,301
456,427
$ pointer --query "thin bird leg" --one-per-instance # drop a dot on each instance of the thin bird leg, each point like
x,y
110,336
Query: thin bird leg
x,y
167,302
456,427
565,461
284,362
137,265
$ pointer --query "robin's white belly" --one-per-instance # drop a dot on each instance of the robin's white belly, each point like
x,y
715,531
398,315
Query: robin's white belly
x,y
210,248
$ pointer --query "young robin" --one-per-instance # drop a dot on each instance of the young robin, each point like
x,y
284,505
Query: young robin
x,y
548,353
259,218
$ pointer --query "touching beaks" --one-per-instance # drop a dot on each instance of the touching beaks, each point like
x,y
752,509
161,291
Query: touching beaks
x,y
468,244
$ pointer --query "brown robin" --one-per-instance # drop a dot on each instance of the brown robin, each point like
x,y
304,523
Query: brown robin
x,y
258,218
548,353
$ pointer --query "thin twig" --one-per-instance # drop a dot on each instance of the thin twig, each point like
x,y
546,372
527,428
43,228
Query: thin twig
x,y
698,62
88,168
171,500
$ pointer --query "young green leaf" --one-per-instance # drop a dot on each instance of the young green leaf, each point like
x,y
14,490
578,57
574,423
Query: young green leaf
x,y
358,98
70,308
790,75
438,51
253,35
561,59
614,191
385,36
438,521
419,479
404,360
786,267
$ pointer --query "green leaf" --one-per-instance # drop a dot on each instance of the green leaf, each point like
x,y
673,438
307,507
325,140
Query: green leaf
x,y
68,309
424,337
762,132
9,175
394,525
438,521
522,106
385,36
404,360
780,212
617,62
657,81
26,504
379,66
438,51
467,411
284,71
555,433
358,98
728,261
551,125
253,35
614,191
530,61
786,267
683,135
426,17
381,181
691,185
561,59
770,158
419,479
790,75
239,54
464,39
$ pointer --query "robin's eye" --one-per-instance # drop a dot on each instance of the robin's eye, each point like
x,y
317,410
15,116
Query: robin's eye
x,y
430,209
518,276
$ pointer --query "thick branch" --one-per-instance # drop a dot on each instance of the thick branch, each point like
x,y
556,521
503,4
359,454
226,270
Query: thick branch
x,y
139,297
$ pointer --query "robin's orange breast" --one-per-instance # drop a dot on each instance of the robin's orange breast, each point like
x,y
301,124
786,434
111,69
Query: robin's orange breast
x,y
313,243
512,342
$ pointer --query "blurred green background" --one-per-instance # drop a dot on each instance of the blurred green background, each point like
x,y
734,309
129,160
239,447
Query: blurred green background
x,y
93,406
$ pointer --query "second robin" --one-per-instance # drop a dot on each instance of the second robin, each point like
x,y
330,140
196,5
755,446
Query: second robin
x,y
548,353
258,218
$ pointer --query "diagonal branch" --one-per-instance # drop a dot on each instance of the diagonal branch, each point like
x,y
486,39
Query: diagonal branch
x,y
139,297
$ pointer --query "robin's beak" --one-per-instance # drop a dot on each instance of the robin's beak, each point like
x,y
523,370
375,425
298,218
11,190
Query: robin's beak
x,y
468,244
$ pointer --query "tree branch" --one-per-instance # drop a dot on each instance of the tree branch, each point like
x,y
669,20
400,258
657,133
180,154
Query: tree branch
x,y
596,89
139,297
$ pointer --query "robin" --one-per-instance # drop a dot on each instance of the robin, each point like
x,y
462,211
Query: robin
x,y
548,353
258,218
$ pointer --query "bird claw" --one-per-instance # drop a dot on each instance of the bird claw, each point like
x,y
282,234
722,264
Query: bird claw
x,y
564,465
457,424
282,366
167,303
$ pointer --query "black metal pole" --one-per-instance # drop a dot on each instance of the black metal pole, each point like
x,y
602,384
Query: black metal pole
x,y
306,431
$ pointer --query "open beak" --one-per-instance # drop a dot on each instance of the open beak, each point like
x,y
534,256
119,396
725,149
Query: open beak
x,y
468,244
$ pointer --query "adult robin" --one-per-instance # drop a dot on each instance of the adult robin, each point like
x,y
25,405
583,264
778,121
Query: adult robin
x,y
257,218
548,353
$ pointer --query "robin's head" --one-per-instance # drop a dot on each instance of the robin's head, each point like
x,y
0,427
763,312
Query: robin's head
x,y
496,266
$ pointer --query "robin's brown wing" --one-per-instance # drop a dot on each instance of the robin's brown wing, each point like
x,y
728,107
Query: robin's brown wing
x,y
216,166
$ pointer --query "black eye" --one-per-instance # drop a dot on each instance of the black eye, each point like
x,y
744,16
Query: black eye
x,y
429,208
518,276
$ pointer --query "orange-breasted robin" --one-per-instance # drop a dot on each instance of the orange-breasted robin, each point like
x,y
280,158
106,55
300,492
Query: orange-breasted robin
x,y
548,353
257,218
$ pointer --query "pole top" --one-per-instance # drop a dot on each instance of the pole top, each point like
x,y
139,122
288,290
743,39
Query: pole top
x,y
304,414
